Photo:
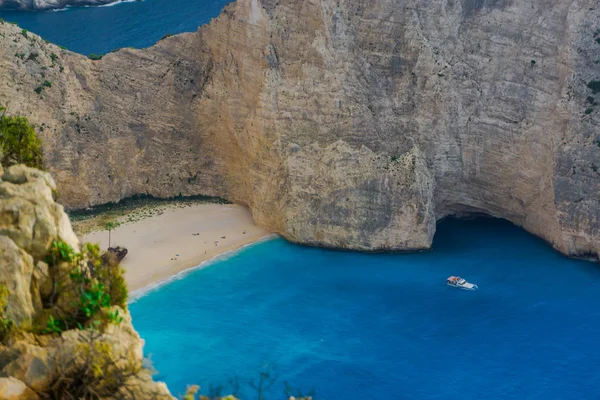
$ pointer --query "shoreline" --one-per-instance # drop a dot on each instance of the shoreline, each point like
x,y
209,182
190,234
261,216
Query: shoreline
x,y
166,245
136,294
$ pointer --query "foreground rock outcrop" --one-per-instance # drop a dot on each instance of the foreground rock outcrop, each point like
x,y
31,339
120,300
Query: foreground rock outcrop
x,y
344,124
35,365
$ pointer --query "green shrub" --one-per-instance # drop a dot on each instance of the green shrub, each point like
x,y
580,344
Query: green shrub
x,y
33,57
47,84
24,33
588,111
53,57
18,142
38,90
3,298
95,56
83,285
93,295
20,55
6,325
114,317
95,373
60,252
54,326
594,85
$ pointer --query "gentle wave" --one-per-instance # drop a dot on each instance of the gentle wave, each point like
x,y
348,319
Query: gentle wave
x,y
137,294
114,3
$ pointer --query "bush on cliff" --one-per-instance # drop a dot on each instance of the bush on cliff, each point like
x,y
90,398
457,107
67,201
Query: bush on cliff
x,y
95,372
18,142
6,324
83,285
50,282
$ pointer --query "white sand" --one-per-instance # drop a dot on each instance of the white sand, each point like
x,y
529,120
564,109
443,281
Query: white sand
x,y
163,245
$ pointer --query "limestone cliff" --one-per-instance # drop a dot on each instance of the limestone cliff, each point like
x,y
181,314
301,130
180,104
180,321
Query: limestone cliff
x,y
36,366
350,123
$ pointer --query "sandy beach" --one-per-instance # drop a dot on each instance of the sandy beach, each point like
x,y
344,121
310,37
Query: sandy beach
x,y
178,239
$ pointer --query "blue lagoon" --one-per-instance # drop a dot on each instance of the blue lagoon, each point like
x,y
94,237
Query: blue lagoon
x,y
352,325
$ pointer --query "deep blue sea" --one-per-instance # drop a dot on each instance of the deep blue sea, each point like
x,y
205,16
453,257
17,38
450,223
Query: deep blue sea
x,y
385,326
99,30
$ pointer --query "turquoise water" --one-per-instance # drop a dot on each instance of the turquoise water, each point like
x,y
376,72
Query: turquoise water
x,y
102,29
359,326
351,325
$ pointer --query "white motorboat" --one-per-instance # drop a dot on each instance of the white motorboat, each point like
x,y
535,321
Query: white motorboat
x,y
461,283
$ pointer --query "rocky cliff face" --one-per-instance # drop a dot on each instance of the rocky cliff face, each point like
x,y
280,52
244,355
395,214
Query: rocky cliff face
x,y
33,367
42,5
344,123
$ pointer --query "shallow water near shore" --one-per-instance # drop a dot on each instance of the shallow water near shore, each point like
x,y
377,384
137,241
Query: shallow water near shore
x,y
354,325
100,30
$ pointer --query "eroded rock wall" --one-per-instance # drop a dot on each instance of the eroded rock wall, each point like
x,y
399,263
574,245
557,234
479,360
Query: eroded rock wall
x,y
351,124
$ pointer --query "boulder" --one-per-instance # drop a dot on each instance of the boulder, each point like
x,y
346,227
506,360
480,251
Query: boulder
x,y
14,389
30,183
15,274
33,366
141,386
28,212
